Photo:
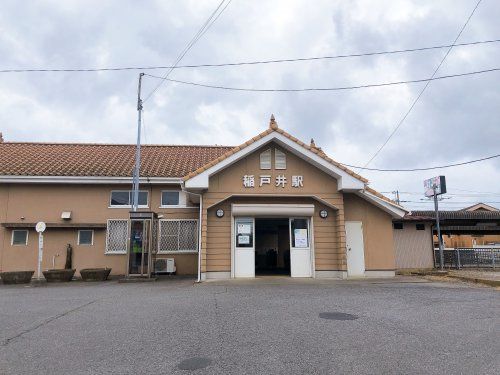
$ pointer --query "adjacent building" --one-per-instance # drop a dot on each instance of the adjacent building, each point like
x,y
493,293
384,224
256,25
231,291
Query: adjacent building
x,y
273,205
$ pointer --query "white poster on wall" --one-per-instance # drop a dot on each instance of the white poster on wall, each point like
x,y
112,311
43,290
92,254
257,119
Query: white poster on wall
x,y
300,238
244,229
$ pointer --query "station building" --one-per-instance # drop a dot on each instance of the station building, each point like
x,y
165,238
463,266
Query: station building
x,y
273,205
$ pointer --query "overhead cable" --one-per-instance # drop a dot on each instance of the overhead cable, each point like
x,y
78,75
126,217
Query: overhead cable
x,y
243,63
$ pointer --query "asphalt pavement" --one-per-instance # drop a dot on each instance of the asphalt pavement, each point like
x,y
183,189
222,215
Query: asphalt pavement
x,y
265,326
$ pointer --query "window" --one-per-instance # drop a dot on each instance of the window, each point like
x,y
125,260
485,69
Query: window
x,y
420,226
178,235
85,237
397,225
279,159
124,198
170,198
116,237
265,159
300,233
20,237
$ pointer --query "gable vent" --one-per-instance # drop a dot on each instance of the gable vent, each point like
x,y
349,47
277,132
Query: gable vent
x,y
279,159
265,159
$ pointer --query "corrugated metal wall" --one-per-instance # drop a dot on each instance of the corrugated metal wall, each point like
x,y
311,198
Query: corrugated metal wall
x,y
413,247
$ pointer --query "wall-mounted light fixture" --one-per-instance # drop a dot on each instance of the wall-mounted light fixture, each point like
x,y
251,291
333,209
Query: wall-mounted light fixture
x,y
219,213
323,214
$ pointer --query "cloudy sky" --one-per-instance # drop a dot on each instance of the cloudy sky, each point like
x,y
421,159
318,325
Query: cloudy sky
x,y
455,120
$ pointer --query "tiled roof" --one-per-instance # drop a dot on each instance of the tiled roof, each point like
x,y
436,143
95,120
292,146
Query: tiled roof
x,y
459,215
58,159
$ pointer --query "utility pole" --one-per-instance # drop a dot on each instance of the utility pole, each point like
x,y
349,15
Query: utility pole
x,y
436,210
135,201
396,196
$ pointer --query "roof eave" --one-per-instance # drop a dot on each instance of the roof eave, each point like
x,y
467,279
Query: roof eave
x,y
87,180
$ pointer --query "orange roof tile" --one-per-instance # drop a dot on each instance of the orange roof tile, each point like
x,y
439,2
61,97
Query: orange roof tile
x,y
64,159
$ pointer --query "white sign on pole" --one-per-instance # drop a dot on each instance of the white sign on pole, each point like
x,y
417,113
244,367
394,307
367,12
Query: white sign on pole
x,y
40,228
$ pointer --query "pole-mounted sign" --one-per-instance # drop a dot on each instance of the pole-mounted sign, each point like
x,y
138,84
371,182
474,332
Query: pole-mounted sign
x,y
40,228
433,187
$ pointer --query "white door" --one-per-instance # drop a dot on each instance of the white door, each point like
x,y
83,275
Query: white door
x,y
355,248
300,248
244,247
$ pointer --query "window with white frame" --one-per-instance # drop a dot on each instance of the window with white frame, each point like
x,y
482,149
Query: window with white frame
x,y
265,159
178,235
170,198
85,237
279,159
125,198
116,236
19,237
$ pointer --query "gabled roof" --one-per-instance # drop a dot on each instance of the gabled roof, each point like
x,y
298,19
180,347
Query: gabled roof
x,y
346,178
480,207
273,127
65,159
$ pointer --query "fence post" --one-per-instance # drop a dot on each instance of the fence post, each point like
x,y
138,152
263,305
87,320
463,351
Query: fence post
x,y
459,266
492,258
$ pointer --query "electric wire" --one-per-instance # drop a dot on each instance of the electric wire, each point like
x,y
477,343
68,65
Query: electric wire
x,y
423,89
248,89
424,168
243,63
193,41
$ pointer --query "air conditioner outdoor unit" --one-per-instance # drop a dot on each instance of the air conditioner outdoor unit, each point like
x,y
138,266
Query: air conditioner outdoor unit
x,y
165,265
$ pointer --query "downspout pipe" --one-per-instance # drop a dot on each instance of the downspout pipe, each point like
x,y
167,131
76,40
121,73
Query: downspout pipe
x,y
199,229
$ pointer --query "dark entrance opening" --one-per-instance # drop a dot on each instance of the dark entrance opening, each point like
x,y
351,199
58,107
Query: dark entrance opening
x,y
272,247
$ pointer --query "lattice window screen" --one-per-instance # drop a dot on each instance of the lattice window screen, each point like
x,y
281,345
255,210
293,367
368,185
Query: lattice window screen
x,y
178,235
116,236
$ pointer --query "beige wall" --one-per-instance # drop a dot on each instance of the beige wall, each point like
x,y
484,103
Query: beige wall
x,y
377,232
413,247
89,204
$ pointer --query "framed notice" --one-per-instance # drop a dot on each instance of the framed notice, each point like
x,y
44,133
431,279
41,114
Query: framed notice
x,y
244,228
300,237
244,239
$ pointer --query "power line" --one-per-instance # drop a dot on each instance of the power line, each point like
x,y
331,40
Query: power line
x,y
219,87
425,168
208,23
243,63
446,202
423,88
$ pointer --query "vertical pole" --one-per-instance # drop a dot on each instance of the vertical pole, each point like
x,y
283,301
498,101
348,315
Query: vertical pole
x,y
138,147
441,254
493,258
40,255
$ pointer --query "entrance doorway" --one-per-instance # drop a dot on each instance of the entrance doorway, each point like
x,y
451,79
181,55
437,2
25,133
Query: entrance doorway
x,y
272,247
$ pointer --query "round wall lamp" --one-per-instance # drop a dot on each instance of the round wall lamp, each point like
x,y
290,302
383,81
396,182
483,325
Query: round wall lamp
x,y
219,212
323,214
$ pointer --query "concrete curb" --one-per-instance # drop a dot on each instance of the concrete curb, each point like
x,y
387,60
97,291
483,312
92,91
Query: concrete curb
x,y
488,282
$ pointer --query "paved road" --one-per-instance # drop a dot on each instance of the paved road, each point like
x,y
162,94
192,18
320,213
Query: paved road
x,y
268,326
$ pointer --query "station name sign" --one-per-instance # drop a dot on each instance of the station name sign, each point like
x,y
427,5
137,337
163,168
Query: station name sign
x,y
251,181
